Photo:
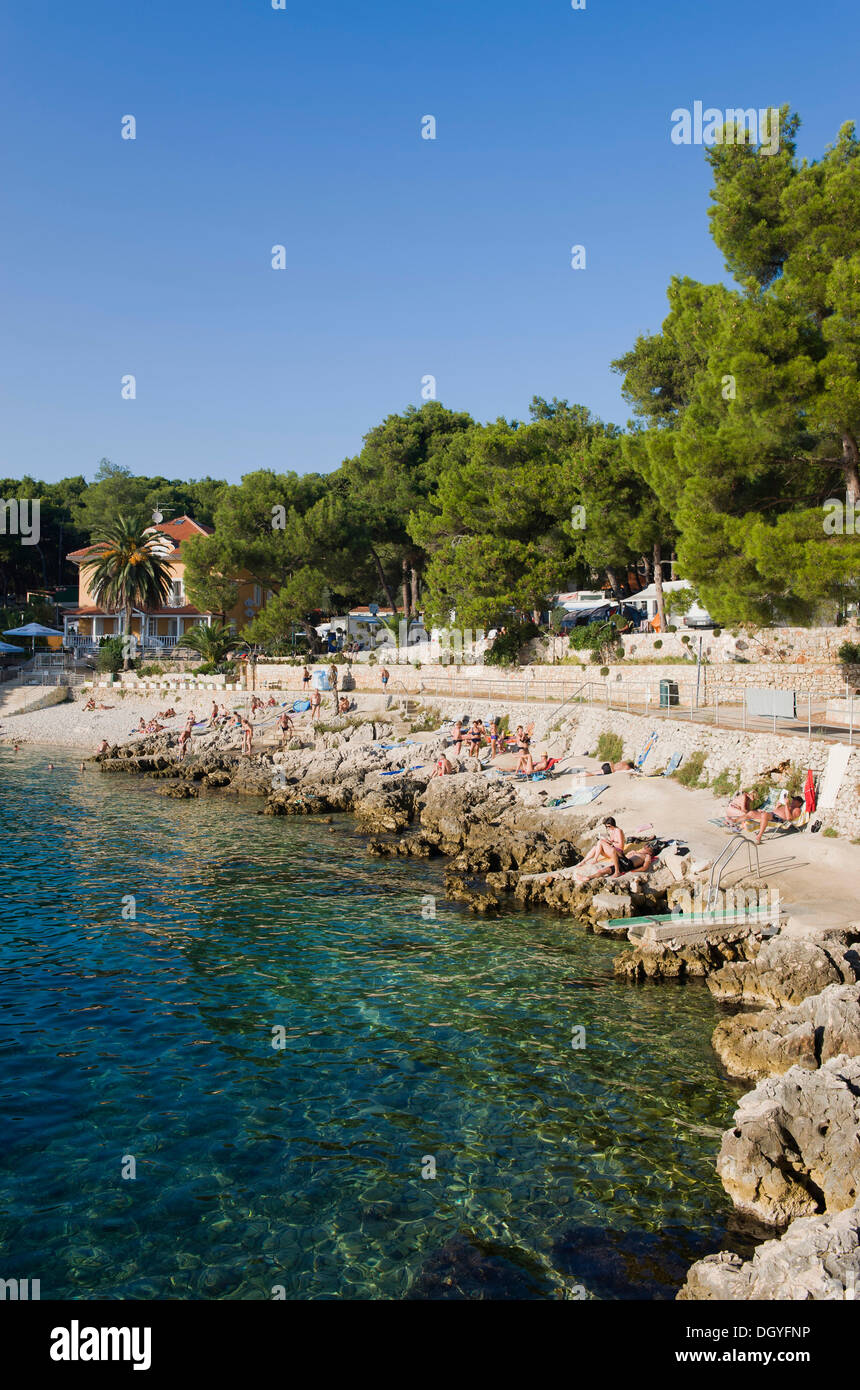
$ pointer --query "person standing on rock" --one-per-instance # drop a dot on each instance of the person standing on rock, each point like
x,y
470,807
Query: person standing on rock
x,y
384,676
247,736
306,678
316,701
332,679
285,724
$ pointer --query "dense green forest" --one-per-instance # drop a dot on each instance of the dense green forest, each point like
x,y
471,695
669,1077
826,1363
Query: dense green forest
x,y
746,420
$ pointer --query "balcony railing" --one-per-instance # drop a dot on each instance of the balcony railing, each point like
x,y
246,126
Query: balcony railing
x,y
91,644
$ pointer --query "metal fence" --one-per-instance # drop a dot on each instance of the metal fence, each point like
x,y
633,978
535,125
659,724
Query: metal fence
x,y
818,714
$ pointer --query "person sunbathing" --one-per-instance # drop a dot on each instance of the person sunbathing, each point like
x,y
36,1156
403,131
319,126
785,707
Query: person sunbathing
x,y
545,763
443,767
606,845
740,807
787,811
271,702
90,705
142,726
606,768
632,860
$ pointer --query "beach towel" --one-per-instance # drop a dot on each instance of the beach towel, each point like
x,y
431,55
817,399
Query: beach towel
x,y
647,749
809,792
671,766
582,796
299,706
837,762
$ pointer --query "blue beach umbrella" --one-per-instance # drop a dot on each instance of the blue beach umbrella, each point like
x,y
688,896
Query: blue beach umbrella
x,y
7,647
33,630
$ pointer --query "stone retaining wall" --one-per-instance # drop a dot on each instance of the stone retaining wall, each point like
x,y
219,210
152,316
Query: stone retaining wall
x,y
557,682
751,754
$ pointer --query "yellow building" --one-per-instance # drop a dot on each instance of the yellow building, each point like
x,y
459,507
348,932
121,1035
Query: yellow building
x,y
156,629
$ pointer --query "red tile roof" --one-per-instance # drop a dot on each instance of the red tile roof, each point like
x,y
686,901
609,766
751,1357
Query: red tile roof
x,y
186,611
178,530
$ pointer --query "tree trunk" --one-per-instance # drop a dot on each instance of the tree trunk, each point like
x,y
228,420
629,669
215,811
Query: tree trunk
x,y
383,581
405,585
413,574
851,466
613,583
126,660
658,585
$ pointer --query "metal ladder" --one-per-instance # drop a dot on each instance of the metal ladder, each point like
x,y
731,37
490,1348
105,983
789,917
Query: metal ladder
x,y
723,860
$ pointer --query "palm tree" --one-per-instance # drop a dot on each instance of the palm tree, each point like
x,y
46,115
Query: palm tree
x,y
130,565
213,643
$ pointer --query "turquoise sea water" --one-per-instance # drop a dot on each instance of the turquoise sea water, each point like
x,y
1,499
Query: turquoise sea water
x,y
408,1041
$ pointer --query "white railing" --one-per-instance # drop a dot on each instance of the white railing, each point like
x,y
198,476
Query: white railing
x,y
91,644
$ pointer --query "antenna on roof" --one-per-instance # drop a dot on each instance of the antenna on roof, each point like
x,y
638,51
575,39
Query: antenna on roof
x,y
157,516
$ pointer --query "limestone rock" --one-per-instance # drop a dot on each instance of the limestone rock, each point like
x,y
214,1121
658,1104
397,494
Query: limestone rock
x,y
788,970
818,1258
823,1026
795,1146
675,952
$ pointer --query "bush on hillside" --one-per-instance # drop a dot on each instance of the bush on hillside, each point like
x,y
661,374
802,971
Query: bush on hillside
x,y
610,748
506,647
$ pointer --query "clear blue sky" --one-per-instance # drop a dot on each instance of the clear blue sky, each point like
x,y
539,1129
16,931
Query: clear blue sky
x,y
405,256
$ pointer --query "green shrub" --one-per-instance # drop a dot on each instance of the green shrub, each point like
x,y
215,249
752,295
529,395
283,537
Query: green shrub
x,y
610,748
506,647
830,833
716,632
110,654
726,783
658,644
601,639
849,653
689,774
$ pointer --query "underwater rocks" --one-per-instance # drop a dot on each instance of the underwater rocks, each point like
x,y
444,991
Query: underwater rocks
x,y
468,1268
794,1149
817,1258
459,889
788,969
824,1026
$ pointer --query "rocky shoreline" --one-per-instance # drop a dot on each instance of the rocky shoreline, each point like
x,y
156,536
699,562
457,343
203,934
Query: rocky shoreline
x,y
791,1162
